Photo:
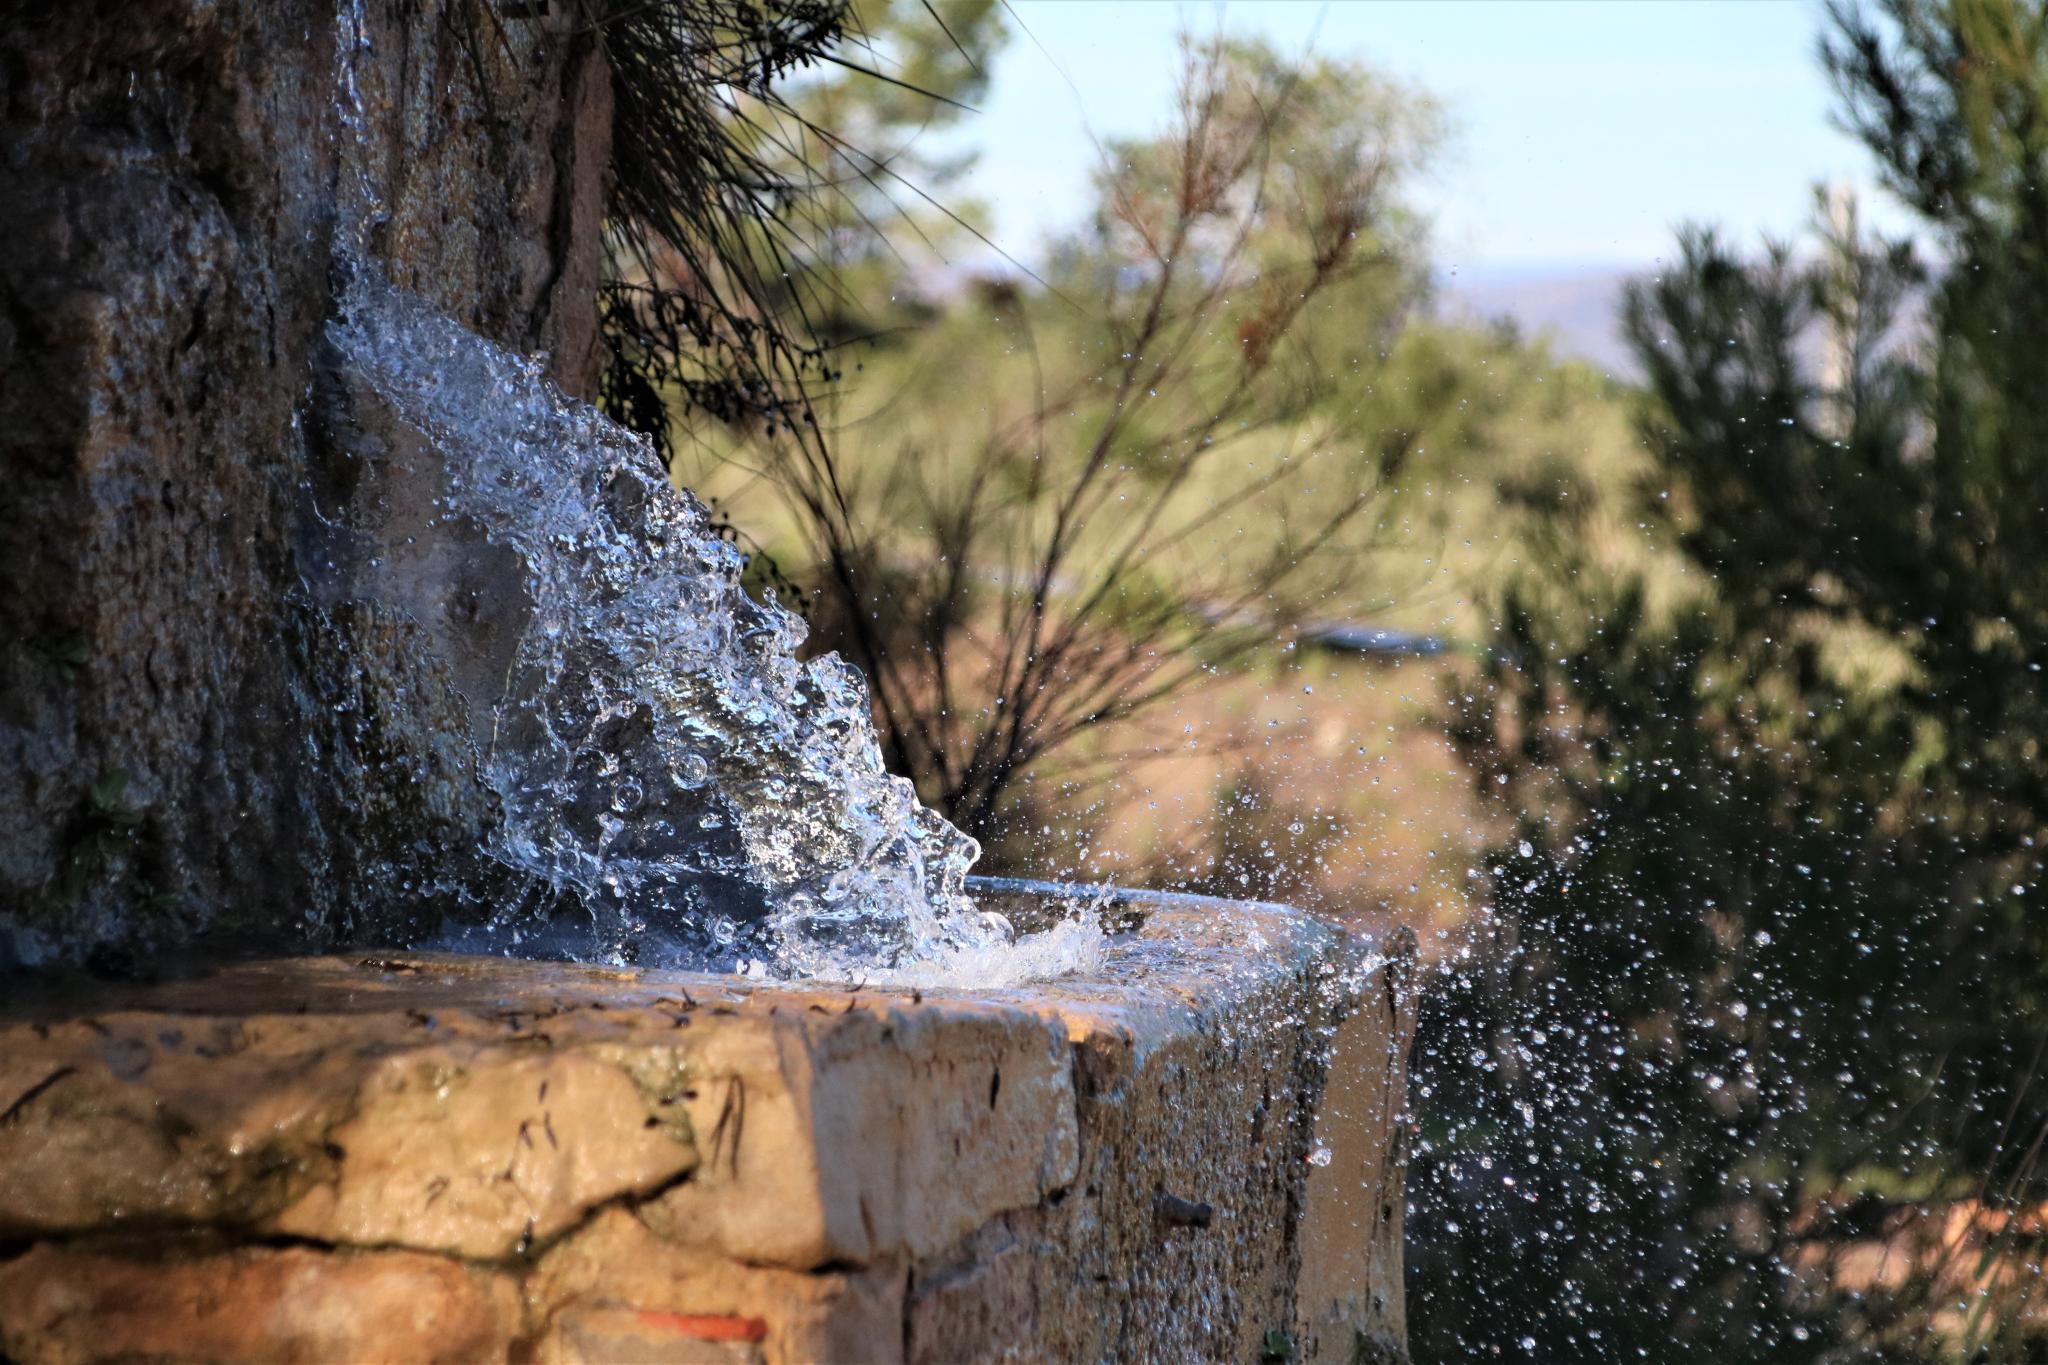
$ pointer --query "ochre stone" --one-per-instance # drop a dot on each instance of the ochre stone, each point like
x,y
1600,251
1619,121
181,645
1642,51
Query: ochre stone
x,y
1349,1302
872,1130
61,1306
617,1291
570,1164
467,1150
386,1129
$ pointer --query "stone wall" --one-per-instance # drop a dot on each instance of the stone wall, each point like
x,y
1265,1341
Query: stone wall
x,y
187,743
1194,1156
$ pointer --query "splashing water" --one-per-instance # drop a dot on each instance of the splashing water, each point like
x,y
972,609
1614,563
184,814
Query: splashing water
x,y
659,754
659,751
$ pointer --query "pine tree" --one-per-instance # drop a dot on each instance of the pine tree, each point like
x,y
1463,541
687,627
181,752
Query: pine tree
x,y
1763,976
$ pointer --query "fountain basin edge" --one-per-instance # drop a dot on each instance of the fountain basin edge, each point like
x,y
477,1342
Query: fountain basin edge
x,y
1195,1153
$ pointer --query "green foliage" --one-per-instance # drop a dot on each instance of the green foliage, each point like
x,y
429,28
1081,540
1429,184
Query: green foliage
x,y
757,153
1048,509
754,147
1761,978
702,219
858,141
907,68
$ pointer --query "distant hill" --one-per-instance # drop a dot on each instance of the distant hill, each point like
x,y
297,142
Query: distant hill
x,y
1576,308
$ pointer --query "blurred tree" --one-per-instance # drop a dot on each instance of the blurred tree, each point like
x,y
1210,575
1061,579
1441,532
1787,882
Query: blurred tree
x,y
909,69
759,151
1761,983
1179,482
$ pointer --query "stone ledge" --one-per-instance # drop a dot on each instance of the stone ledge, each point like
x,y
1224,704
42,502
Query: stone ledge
x,y
574,1163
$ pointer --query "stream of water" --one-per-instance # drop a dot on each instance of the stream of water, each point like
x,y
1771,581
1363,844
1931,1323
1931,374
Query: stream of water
x,y
657,746
661,756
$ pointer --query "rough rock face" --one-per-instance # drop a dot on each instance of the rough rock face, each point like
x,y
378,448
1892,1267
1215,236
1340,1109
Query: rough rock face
x,y
187,743
1195,1155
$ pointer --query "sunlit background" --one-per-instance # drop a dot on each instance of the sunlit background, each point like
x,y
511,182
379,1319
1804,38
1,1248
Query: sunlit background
x,y
1678,677
1582,132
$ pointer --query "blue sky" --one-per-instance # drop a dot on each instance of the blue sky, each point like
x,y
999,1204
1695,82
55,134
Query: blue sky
x,y
1582,131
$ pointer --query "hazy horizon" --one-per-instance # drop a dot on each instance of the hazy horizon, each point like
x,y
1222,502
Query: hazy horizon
x,y
1583,134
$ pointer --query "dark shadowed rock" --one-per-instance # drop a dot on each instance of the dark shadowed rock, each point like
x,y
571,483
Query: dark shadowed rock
x,y
192,740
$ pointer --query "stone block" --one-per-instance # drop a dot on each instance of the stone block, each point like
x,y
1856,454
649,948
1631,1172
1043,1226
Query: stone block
x,y
617,1290
1191,1155
385,1129
61,1305
1349,1303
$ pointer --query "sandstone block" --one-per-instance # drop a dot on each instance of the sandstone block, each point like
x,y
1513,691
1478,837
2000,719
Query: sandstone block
x,y
1190,1155
64,1306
